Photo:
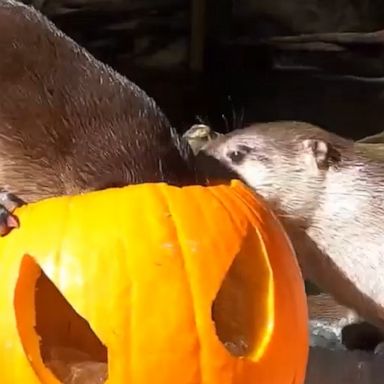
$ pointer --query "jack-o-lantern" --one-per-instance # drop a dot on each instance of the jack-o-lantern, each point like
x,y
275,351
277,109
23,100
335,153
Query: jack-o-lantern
x,y
151,284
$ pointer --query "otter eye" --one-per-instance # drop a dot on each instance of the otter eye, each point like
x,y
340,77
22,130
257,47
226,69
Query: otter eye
x,y
238,156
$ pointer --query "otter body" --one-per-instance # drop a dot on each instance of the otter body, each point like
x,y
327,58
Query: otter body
x,y
330,197
69,123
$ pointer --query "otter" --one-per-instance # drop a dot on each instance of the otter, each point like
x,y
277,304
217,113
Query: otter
x,y
71,124
328,194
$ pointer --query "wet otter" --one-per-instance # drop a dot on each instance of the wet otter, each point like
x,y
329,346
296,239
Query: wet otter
x,y
328,194
69,123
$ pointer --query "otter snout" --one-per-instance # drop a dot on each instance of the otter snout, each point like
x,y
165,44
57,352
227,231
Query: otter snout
x,y
213,168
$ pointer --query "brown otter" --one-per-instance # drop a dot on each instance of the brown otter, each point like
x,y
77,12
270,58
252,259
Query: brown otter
x,y
69,123
328,194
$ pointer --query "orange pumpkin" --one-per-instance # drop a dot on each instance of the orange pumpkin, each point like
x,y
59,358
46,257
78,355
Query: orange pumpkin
x,y
151,284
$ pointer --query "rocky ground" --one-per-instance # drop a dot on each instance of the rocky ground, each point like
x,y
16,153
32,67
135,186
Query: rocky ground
x,y
327,366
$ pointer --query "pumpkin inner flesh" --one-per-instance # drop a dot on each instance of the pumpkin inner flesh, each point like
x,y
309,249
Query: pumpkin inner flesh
x,y
67,345
243,308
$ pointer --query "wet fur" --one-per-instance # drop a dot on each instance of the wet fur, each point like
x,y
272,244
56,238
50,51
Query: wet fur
x,y
69,123
330,203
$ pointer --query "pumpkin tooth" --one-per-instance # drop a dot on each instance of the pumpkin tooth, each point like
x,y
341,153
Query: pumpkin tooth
x,y
259,341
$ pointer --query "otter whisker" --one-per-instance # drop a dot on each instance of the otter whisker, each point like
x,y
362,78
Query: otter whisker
x,y
226,123
240,121
201,120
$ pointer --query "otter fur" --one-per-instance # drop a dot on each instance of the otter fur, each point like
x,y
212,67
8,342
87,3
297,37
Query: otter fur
x,y
71,124
330,197
78,124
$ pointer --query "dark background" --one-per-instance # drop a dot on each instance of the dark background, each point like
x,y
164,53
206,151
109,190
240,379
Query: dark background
x,y
214,61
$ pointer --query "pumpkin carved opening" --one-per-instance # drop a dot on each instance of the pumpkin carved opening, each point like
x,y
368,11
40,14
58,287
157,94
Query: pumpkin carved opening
x,y
52,333
243,308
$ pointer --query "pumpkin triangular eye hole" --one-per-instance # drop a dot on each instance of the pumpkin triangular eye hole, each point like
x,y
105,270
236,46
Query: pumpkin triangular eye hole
x,y
67,346
243,308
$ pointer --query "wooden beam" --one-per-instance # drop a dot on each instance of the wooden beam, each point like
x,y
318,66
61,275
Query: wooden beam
x,y
198,33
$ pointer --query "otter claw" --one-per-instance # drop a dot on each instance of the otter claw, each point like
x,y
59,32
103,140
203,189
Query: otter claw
x,y
8,203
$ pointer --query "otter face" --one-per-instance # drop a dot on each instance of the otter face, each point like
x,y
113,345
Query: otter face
x,y
287,171
256,165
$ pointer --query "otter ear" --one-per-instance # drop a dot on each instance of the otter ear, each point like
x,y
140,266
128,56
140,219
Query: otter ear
x,y
321,152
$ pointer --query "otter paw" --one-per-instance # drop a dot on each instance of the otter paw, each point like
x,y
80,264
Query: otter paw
x,y
8,203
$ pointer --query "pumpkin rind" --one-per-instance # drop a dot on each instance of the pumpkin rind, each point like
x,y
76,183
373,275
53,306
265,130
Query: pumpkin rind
x,y
143,265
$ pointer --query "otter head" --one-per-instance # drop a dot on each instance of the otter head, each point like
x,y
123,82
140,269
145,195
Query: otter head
x,y
287,163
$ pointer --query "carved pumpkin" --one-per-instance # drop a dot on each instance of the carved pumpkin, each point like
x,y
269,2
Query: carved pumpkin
x,y
151,284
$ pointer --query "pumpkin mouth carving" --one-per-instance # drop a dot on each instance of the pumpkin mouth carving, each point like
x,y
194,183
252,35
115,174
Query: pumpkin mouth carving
x,y
59,343
243,310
